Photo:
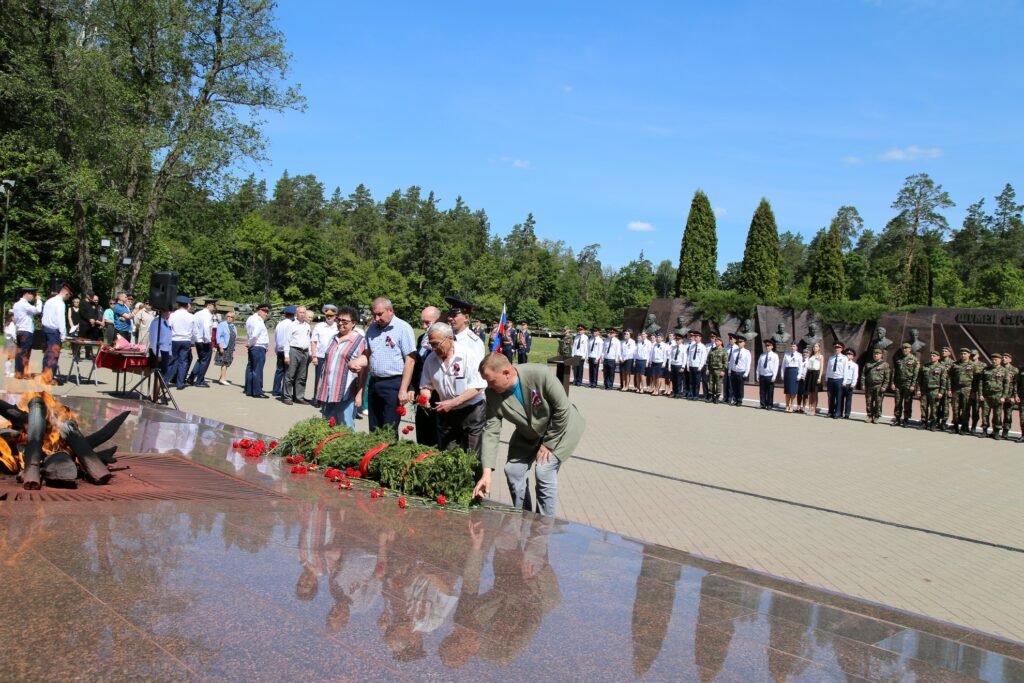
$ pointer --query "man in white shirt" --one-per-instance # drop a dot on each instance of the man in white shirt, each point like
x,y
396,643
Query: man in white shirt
x,y
850,378
202,332
296,358
281,334
835,374
612,346
580,351
739,370
54,321
320,338
696,360
182,324
25,310
450,371
257,343
677,364
594,354
767,371
459,313
627,353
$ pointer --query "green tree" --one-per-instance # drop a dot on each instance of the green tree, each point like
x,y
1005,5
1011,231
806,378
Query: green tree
x,y
919,202
920,290
759,274
698,254
633,285
794,255
1001,286
665,279
828,275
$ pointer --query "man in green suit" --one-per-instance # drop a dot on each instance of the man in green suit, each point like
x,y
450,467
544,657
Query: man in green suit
x,y
548,428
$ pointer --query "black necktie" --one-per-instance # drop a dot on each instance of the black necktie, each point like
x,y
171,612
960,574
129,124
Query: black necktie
x,y
835,363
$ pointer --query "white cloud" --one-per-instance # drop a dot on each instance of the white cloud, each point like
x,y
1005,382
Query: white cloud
x,y
852,161
639,226
911,153
719,211
520,163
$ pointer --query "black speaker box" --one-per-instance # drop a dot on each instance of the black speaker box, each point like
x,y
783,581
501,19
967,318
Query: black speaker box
x,y
163,290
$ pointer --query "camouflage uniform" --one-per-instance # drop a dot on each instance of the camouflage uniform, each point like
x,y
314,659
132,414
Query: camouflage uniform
x,y
904,374
932,383
877,375
994,389
946,402
961,385
718,361
1014,375
976,400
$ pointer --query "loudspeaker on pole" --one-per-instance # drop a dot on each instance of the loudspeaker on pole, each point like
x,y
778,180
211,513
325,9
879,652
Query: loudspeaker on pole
x,y
163,290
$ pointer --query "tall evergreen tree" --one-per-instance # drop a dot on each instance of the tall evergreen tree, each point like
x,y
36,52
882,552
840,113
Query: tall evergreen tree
x,y
828,275
698,255
759,274
919,202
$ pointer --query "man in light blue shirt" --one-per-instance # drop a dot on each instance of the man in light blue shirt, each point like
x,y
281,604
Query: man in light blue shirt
x,y
391,347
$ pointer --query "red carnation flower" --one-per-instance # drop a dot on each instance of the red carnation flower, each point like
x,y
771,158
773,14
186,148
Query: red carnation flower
x,y
402,412
401,501
441,500
422,400
332,422
234,444
373,493
273,445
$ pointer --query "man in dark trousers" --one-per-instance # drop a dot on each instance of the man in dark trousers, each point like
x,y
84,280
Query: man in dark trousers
x,y
426,420
523,343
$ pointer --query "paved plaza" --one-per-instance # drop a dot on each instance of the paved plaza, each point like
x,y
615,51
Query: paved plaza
x,y
924,522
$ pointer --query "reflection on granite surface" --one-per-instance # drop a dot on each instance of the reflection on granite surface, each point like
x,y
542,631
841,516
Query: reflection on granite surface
x,y
325,584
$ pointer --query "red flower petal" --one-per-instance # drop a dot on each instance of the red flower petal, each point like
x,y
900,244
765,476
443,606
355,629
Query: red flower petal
x,y
422,400
332,422
402,412
441,500
401,501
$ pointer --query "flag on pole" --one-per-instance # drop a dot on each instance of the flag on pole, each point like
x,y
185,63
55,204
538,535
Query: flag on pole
x,y
499,334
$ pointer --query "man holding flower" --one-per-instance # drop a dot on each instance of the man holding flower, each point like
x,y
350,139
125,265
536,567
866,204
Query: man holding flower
x,y
450,370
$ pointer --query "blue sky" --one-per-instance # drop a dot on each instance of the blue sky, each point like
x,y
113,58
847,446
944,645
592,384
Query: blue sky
x,y
602,118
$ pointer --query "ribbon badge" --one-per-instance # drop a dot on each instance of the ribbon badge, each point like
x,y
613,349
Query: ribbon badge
x,y
387,340
535,398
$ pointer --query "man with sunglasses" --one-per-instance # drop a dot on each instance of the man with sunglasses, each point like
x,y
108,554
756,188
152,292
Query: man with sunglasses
x,y
450,376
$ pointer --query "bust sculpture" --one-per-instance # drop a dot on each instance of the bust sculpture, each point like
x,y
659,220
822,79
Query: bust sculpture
x,y
880,341
747,330
915,343
812,337
781,337
651,326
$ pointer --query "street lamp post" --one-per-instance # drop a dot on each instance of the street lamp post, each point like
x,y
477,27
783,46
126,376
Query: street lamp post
x,y
6,188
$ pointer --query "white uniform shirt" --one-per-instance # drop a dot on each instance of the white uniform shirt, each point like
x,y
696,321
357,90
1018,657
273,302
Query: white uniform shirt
x,y
835,367
768,365
298,337
182,325
23,314
580,346
643,350
256,331
453,377
596,348
55,315
739,361
627,350
659,353
677,355
612,346
202,323
794,359
11,334
281,333
697,357
851,374
472,343
322,335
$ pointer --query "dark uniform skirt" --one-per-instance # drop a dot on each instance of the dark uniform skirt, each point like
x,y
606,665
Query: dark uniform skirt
x,y
809,386
790,381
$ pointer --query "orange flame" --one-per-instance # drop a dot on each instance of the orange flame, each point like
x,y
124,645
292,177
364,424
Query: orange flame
x,y
56,413
10,461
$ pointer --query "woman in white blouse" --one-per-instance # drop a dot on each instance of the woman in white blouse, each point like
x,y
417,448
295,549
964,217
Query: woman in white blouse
x,y
792,366
627,354
813,379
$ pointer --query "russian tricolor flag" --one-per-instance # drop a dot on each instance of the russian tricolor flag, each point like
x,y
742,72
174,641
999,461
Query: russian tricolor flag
x,y
499,335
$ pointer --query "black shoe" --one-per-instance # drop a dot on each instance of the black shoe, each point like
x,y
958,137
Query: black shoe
x,y
202,385
287,401
302,401
1006,432
997,436
261,396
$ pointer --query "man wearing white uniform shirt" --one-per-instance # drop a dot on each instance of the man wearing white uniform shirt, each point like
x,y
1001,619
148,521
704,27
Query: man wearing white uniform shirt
x,y
850,378
182,324
835,375
280,342
25,310
461,412
696,359
767,371
322,334
739,370
627,353
257,343
459,313
596,350
612,347
202,333
55,329
296,358
580,351
677,365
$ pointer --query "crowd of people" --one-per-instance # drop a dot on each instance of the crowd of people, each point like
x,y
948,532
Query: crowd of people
x,y
955,394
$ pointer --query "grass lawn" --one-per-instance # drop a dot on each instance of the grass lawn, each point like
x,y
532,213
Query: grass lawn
x,y
542,349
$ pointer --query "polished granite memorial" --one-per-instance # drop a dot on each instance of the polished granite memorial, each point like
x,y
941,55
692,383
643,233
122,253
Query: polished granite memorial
x,y
200,563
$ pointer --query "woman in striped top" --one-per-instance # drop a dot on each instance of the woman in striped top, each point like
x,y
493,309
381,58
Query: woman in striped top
x,y
344,371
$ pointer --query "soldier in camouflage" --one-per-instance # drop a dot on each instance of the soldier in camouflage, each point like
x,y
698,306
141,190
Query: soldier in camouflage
x,y
976,401
876,377
931,387
946,402
1013,397
904,376
961,386
718,361
995,387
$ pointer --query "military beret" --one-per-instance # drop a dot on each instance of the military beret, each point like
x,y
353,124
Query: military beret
x,y
946,348
997,355
288,310
964,350
878,351
906,345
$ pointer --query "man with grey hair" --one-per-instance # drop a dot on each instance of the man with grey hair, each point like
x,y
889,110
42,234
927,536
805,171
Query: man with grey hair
x,y
391,349
426,420
450,372
296,359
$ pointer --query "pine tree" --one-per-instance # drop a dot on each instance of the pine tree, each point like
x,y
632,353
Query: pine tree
x,y
698,255
828,275
759,274
920,290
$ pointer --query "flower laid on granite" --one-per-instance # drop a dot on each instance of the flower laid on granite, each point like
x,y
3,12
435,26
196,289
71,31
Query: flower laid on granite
x,y
293,459
299,469
402,412
401,501
272,445
332,473
441,500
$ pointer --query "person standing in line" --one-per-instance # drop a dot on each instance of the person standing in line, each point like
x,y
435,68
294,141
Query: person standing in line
x,y
677,366
718,362
508,344
850,379
203,334
1012,397
343,376
802,381
946,402
580,353
524,342
256,343
904,376
995,386
739,370
977,403
627,354
932,383
612,348
876,378
685,342
226,337
74,322
594,355
281,333
835,375
767,372
391,347
89,324
962,381
25,310
815,378
54,321
792,370
182,324
109,331
659,364
696,362
296,359
640,361
122,316
323,332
